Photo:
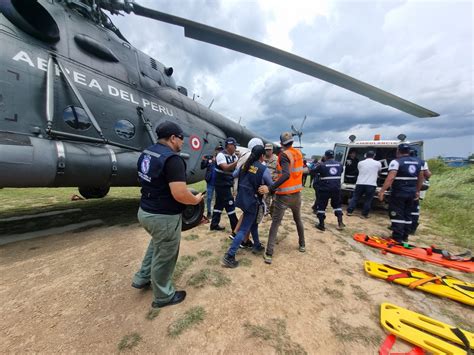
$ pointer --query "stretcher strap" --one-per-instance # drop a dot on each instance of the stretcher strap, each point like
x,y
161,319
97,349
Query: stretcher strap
x,y
420,282
458,332
390,341
402,275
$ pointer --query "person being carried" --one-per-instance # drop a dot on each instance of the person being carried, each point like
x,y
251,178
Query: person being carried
x,y
287,188
366,184
251,177
162,176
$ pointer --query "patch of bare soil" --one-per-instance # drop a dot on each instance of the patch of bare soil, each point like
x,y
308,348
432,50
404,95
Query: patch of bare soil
x,y
71,293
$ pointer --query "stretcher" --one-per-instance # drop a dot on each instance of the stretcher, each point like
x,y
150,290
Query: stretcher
x,y
443,286
427,333
463,262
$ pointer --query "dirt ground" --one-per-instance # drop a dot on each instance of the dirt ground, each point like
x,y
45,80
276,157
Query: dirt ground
x,y
71,293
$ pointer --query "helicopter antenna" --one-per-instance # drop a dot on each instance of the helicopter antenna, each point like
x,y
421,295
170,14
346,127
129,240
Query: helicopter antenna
x,y
211,104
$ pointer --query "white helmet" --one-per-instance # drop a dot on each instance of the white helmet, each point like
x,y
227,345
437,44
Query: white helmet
x,y
254,142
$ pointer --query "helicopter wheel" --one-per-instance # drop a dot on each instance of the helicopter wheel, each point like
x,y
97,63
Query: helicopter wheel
x,y
94,192
192,215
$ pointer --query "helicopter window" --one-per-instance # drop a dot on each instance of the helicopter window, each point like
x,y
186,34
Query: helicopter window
x,y
125,129
76,118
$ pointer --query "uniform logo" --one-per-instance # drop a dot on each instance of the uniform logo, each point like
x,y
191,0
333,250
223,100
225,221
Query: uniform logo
x,y
393,213
195,142
333,171
145,166
412,169
253,169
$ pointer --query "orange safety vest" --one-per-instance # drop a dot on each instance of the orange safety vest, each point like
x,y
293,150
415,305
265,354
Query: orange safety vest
x,y
294,183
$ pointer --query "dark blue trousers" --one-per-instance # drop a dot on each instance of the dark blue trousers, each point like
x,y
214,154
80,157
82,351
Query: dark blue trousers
x,y
322,199
399,210
362,190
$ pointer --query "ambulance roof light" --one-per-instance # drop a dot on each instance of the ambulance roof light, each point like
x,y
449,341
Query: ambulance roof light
x,y
377,137
402,137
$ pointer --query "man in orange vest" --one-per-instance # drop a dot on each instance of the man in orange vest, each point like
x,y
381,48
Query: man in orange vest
x,y
287,189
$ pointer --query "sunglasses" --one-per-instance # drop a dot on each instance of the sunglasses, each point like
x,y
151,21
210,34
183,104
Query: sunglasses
x,y
180,136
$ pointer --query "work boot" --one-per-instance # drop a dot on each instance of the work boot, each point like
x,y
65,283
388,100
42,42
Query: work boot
x,y
321,219
321,227
229,261
340,224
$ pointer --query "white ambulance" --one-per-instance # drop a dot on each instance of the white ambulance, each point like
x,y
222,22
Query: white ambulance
x,y
385,152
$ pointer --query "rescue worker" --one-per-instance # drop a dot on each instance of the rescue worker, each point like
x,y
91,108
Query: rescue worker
x,y
270,160
162,176
315,183
351,172
369,170
415,212
226,161
287,193
405,179
329,188
251,176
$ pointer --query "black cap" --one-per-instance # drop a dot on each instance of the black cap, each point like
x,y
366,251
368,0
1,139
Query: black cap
x,y
404,148
167,129
329,153
258,151
230,140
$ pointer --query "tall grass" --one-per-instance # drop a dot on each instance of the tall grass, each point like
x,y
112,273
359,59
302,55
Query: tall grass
x,y
449,203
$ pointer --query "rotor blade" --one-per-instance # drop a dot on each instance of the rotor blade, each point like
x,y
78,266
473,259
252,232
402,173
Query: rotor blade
x,y
302,123
248,46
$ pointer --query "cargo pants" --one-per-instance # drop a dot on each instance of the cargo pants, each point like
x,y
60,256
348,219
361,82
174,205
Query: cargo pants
x,y
161,255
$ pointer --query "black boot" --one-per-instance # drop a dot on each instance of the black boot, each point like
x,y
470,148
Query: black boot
x,y
340,224
320,226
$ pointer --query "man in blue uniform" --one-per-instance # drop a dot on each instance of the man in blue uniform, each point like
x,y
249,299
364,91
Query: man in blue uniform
x,y
329,187
162,176
226,161
405,179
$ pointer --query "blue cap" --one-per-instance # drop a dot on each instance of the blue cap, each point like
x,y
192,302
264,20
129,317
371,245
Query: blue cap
x,y
403,147
329,153
230,140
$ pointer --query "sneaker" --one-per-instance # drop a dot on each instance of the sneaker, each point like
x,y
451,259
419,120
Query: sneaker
x,y
267,258
230,261
209,216
217,228
349,213
232,236
178,297
340,226
320,227
246,245
258,250
302,249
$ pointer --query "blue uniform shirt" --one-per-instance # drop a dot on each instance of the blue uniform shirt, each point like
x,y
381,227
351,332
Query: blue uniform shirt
x,y
408,169
329,175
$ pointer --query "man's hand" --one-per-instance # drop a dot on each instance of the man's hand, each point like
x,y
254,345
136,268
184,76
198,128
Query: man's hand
x,y
417,196
199,197
263,189
381,196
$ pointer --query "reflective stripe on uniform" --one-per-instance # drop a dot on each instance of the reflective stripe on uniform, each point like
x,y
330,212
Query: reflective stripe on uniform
x,y
295,170
231,212
291,188
338,209
400,221
149,152
321,212
330,178
217,211
406,178
415,213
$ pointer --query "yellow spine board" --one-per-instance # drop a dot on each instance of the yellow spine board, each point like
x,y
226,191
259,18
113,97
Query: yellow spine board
x,y
450,287
427,333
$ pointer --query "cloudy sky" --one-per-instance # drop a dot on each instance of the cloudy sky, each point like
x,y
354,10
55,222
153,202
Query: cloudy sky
x,y
419,50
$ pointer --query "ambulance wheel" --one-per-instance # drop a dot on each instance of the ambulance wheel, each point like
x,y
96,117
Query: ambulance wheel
x,y
94,192
192,215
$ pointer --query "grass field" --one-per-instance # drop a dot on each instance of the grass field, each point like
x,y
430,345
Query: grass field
x,y
449,204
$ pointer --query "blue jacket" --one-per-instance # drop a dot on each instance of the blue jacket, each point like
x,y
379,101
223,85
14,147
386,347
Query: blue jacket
x,y
329,176
248,198
408,169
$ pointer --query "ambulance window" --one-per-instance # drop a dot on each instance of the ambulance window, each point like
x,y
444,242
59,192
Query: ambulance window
x,y
339,151
125,129
76,118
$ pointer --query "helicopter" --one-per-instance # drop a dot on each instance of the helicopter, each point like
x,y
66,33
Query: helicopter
x,y
79,103
298,132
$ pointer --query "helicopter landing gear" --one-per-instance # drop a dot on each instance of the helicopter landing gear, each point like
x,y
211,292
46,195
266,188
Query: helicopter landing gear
x,y
192,215
94,192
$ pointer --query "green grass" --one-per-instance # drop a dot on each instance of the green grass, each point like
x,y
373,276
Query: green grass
x,y
348,333
360,293
213,261
129,341
204,253
245,262
208,277
194,315
191,237
333,293
182,265
152,313
449,204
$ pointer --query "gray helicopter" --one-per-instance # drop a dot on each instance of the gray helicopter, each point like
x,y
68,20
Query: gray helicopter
x,y
78,103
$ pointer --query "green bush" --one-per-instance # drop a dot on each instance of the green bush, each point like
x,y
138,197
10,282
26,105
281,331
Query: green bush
x,y
438,166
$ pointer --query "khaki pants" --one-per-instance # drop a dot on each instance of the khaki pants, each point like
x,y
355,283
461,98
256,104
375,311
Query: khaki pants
x,y
160,258
280,204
